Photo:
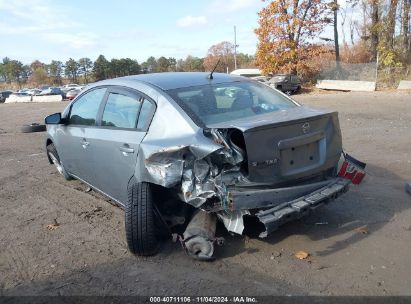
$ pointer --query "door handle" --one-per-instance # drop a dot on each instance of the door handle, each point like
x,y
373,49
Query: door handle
x,y
126,149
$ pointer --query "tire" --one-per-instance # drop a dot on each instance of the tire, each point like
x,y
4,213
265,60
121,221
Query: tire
x,y
55,159
288,92
34,127
141,231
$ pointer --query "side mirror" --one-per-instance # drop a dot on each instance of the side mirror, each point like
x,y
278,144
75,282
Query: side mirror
x,y
54,119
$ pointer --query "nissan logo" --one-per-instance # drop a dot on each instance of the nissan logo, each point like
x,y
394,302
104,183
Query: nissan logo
x,y
305,127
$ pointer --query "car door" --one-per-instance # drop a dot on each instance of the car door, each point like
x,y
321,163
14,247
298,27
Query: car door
x,y
122,126
72,138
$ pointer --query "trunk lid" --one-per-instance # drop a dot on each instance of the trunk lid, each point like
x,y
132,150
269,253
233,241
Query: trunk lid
x,y
288,145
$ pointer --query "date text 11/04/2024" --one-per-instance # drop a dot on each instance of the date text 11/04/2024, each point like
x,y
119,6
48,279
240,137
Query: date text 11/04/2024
x,y
205,299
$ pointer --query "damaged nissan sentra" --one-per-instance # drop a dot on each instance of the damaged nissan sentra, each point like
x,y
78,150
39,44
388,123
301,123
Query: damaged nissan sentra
x,y
188,149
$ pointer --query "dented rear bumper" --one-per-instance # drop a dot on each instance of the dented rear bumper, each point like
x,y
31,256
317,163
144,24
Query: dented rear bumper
x,y
274,217
274,207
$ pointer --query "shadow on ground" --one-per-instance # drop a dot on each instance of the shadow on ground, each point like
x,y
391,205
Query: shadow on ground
x,y
371,205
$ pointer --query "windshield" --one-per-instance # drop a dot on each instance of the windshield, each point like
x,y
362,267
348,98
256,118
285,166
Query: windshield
x,y
223,102
277,78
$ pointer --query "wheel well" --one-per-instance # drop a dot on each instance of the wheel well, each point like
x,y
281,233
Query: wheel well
x,y
166,201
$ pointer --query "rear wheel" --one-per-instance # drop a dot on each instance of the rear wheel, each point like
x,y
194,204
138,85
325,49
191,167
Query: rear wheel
x,y
141,230
55,159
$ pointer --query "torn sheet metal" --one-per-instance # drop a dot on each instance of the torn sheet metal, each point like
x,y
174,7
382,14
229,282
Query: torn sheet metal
x,y
179,155
233,221
166,174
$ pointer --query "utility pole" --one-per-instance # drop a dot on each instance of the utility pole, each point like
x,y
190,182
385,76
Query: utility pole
x,y
337,46
235,48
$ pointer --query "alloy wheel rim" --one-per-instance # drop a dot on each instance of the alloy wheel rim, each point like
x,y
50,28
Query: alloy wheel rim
x,y
56,163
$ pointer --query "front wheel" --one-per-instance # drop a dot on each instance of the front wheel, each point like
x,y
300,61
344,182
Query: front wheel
x,y
55,159
141,231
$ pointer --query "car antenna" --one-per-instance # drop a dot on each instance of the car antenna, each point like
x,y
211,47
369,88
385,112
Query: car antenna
x,y
211,74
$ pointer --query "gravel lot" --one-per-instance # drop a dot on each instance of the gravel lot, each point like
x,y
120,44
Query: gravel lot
x,y
87,253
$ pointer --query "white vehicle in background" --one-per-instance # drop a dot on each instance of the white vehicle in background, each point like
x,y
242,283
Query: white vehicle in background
x,y
33,92
247,72
71,86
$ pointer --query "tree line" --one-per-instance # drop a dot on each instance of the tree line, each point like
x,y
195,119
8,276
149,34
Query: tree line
x,y
290,40
290,34
84,70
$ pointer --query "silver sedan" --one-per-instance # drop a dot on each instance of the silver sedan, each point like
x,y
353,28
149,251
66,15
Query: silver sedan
x,y
188,149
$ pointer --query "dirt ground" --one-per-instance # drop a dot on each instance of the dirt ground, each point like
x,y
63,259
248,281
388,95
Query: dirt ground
x,y
87,253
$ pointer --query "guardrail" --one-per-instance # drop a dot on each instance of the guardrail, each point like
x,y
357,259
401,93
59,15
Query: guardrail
x,y
346,85
45,98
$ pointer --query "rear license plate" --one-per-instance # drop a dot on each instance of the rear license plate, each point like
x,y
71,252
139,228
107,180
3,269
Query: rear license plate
x,y
300,158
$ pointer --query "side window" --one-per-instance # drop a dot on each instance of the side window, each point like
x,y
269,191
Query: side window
x,y
145,115
84,110
121,111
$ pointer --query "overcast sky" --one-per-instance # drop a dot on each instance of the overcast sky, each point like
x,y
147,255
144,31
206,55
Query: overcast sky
x,y
46,29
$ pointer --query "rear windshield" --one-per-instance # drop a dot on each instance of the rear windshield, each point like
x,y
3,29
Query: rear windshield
x,y
223,102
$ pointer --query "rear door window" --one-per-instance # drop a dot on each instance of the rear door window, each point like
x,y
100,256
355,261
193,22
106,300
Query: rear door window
x,y
84,111
121,111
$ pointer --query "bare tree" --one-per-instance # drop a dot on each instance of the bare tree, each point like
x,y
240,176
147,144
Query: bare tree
x,y
334,8
375,19
390,32
405,20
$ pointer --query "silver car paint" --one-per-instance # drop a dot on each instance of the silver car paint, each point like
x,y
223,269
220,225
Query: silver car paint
x,y
173,153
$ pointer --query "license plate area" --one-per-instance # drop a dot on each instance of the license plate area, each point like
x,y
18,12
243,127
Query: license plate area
x,y
301,154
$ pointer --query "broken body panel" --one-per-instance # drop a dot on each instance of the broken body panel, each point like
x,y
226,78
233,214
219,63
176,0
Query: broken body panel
x,y
278,158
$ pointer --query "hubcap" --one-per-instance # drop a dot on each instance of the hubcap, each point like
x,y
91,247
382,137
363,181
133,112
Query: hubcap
x,y
56,163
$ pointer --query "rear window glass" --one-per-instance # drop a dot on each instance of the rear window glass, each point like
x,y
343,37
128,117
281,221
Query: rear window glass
x,y
210,104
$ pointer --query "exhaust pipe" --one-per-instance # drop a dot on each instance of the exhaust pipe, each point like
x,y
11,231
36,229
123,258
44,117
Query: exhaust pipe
x,y
199,235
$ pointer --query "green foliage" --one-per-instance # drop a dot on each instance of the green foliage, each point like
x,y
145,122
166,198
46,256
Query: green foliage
x,y
85,66
162,64
191,64
101,68
123,67
150,65
71,69
388,57
12,71
56,71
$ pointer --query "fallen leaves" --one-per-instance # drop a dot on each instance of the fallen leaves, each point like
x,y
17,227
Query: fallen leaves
x,y
302,255
53,226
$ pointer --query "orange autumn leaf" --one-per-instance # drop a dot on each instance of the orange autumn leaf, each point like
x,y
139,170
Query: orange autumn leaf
x,y
302,255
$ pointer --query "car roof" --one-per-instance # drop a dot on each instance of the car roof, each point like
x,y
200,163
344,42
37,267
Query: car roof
x,y
174,80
